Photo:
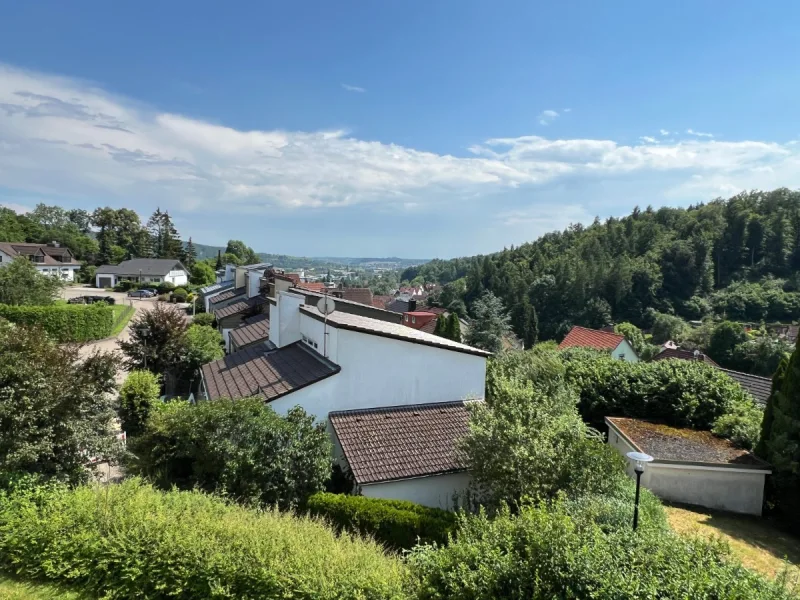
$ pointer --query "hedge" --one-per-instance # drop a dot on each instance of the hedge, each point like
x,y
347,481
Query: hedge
x,y
65,322
398,524
131,541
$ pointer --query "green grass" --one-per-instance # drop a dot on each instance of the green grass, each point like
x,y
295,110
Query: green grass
x,y
124,314
15,589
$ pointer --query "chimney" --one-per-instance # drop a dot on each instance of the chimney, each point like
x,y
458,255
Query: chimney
x,y
412,305
54,244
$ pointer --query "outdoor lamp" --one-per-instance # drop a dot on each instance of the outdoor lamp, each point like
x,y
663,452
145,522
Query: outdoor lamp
x,y
640,459
144,331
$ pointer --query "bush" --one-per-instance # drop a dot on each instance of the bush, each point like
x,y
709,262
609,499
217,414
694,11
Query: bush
x,y
203,344
165,287
180,294
546,553
137,395
238,448
65,322
131,541
127,286
206,319
396,523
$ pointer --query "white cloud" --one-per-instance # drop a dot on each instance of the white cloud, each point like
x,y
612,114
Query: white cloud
x,y
20,209
663,132
648,140
566,110
699,133
353,88
547,116
61,137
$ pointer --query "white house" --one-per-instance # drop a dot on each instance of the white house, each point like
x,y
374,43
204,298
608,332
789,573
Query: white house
x,y
347,362
617,345
143,270
50,259
692,467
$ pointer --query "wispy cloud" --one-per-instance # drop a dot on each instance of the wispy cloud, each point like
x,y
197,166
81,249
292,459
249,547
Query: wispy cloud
x,y
663,132
648,140
353,88
566,110
547,116
61,137
699,133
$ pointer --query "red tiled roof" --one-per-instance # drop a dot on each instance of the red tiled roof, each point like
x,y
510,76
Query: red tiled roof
x,y
255,329
581,337
667,353
399,442
360,295
381,301
314,286
253,372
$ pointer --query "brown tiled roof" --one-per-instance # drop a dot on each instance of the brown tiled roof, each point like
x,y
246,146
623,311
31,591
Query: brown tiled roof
x,y
239,307
360,295
314,286
397,331
683,355
581,337
381,301
255,329
758,387
227,295
253,372
671,444
399,442
394,317
15,249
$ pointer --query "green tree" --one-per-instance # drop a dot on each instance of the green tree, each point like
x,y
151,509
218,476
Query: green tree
x,y
55,406
191,254
22,284
203,344
238,448
668,327
636,339
241,251
157,341
529,324
441,326
202,274
105,219
453,328
137,395
219,264
724,339
166,241
490,324
12,228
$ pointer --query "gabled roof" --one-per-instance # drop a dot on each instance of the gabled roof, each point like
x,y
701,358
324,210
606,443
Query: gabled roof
x,y
254,372
401,442
14,249
144,266
228,295
240,306
581,337
758,387
681,445
255,329
680,354
396,331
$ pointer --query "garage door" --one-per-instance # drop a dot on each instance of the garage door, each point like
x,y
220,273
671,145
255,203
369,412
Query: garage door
x,y
104,282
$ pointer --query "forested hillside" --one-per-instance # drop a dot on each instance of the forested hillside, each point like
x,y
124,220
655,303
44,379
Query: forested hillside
x,y
736,258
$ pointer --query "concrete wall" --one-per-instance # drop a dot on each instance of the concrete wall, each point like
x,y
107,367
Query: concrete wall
x,y
437,491
722,488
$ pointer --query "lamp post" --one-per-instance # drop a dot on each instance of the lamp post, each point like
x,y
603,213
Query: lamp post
x,y
144,332
640,459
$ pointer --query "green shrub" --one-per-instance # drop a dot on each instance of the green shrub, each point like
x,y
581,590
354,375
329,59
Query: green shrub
x,y
238,448
203,319
180,294
126,286
64,322
396,523
545,553
165,287
131,541
137,395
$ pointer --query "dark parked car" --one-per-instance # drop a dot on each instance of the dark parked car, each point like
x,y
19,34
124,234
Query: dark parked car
x,y
91,300
140,294
153,291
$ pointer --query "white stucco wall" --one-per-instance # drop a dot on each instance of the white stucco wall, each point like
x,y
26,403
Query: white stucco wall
x,y
437,491
625,352
178,277
723,488
64,273
5,259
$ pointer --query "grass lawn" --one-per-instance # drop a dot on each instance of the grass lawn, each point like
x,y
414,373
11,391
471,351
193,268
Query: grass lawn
x,y
758,543
13,589
123,313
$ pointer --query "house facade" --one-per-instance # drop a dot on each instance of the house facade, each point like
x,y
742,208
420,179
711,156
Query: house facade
x,y
51,259
143,270
605,341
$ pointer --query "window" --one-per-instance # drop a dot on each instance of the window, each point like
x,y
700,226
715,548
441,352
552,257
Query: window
x,y
413,319
406,318
155,279
622,356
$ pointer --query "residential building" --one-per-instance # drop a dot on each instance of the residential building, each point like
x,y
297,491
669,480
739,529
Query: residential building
x,y
346,362
350,306
51,259
680,354
143,270
605,341
234,312
692,467
417,319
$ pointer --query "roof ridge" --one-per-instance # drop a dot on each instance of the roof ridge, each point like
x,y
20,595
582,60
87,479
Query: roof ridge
x,y
745,374
395,407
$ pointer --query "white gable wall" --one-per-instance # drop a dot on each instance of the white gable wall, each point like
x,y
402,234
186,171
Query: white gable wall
x,y
437,491
625,352
178,277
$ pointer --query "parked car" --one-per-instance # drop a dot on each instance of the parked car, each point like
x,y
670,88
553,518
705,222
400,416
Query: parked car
x,y
91,300
140,294
153,291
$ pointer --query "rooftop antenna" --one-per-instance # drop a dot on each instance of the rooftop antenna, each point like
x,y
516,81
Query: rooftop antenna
x,y
326,306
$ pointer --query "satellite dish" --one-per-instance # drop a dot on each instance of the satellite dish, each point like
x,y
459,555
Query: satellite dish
x,y
326,305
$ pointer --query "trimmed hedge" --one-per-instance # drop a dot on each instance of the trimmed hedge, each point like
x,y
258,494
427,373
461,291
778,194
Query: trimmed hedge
x,y
131,541
65,322
396,523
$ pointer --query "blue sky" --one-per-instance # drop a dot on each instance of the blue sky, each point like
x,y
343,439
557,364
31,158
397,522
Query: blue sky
x,y
418,129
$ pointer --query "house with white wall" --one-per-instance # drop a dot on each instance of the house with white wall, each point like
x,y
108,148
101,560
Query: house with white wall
x,y
605,341
51,259
343,362
143,270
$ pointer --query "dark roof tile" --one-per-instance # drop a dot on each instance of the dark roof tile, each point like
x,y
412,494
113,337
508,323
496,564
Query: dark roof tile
x,y
758,387
239,307
255,329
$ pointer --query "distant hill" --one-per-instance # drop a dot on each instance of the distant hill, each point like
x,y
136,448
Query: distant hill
x,y
286,261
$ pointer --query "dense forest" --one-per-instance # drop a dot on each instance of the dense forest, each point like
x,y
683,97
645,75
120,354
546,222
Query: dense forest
x,y
736,259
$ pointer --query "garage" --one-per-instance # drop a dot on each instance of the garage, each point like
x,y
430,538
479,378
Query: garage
x,y
105,282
